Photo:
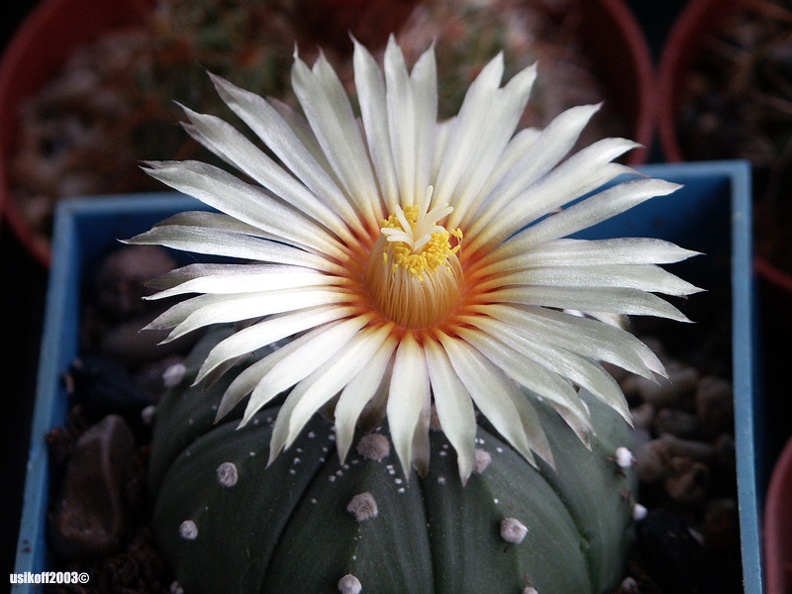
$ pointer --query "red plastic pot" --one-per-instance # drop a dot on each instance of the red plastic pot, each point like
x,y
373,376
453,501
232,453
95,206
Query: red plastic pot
x,y
618,47
699,19
778,526
612,34
46,37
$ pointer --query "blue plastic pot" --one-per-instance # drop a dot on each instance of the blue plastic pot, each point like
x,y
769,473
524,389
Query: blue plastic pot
x,y
712,214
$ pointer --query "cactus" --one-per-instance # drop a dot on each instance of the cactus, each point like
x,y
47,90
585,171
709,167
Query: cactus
x,y
229,523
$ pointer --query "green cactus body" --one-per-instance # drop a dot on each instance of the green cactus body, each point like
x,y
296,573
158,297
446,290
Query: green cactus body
x,y
228,523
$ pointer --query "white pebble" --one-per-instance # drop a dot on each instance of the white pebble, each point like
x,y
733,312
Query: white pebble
x,y
512,530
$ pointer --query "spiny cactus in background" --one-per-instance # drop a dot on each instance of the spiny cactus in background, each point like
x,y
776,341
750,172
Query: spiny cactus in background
x,y
229,523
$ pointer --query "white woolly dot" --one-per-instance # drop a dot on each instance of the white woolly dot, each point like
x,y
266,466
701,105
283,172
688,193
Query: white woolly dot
x,y
373,446
176,588
499,450
398,481
349,584
481,460
512,530
496,500
188,530
441,480
292,471
530,590
311,435
443,454
313,500
629,586
147,414
173,375
401,489
252,454
639,512
227,474
363,506
296,461
624,457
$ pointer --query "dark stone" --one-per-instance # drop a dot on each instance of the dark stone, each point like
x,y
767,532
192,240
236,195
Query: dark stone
x,y
102,387
679,562
90,518
119,283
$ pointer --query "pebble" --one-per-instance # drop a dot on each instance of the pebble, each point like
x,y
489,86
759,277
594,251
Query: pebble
x,y
676,422
715,406
687,481
120,280
664,392
90,518
103,386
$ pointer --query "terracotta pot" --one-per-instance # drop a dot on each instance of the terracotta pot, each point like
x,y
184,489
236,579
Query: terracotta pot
x,y
618,46
609,27
778,526
51,32
699,19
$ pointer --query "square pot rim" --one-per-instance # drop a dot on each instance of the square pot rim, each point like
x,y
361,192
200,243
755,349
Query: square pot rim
x,y
31,544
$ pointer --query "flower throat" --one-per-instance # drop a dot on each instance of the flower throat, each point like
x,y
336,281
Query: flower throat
x,y
413,273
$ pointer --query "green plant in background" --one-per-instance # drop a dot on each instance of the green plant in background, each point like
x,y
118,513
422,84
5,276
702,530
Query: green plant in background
x,y
423,274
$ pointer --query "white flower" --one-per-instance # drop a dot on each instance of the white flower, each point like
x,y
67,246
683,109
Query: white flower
x,y
413,261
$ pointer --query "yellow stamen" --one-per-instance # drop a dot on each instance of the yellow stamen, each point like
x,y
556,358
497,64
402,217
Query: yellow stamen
x,y
413,274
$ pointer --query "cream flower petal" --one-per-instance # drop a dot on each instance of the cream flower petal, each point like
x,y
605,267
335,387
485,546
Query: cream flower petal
x,y
359,392
285,142
585,336
408,397
643,277
327,381
330,114
578,252
593,210
608,300
370,84
248,203
553,143
268,331
494,136
583,172
461,149
226,279
230,145
454,407
204,310
303,361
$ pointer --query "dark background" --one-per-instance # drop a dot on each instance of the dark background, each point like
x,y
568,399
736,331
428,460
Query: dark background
x,y
23,284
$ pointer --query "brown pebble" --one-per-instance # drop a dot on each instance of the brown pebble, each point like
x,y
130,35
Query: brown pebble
x,y
715,406
90,517
120,280
676,422
687,481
